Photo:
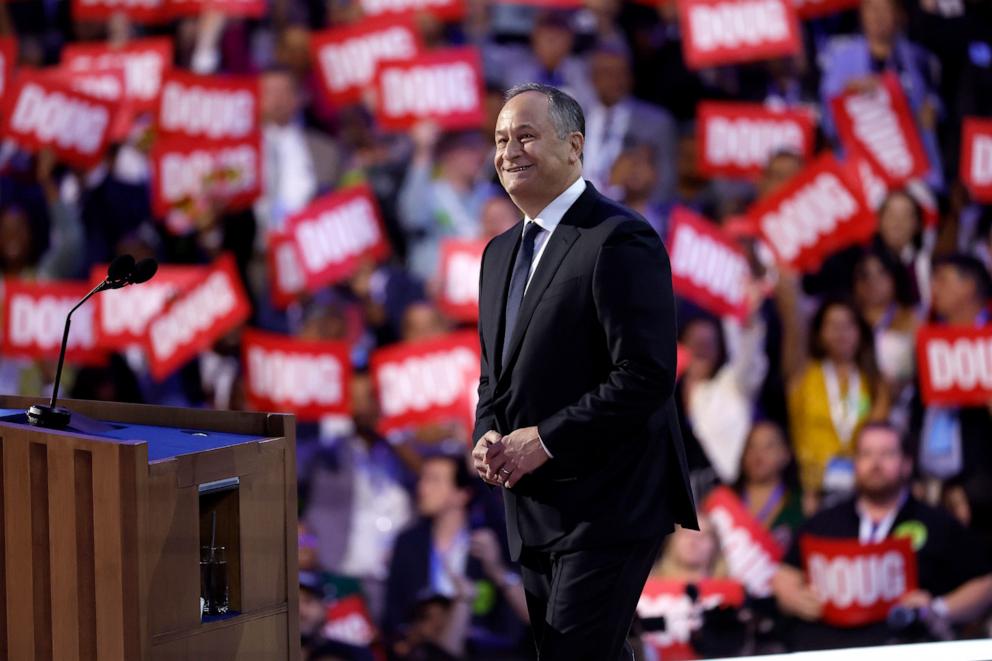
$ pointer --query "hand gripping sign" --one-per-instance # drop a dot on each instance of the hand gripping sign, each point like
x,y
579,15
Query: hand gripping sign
x,y
880,125
444,86
34,319
707,267
673,600
192,322
818,212
737,139
428,381
752,554
976,158
40,111
718,32
209,107
347,57
458,281
122,315
335,233
306,378
145,62
955,365
859,583
184,170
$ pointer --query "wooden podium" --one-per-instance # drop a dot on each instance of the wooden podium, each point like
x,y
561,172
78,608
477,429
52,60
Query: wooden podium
x,y
101,534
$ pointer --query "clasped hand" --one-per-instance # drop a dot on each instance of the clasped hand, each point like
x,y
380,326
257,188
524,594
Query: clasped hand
x,y
503,460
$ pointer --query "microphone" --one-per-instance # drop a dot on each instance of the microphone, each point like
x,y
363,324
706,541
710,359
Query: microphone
x,y
123,271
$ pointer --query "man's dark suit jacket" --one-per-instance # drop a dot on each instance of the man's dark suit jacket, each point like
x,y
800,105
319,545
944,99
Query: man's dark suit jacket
x,y
592,364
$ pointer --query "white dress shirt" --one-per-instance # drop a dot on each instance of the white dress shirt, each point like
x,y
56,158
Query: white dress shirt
x,y
548,220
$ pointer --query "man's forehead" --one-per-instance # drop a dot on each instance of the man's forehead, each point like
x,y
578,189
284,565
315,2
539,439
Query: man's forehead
x,y
527,108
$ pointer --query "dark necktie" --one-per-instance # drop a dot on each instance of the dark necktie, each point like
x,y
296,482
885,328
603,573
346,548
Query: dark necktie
x,y
518,282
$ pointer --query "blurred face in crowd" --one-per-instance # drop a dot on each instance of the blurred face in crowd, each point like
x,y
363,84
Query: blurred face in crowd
x,y
312,613
293,49
437,491
951,291
702,338
880,467
610,75
498,215
634,172
364,404
534,164
551,44
422,321
695,549
325,323
897,221
766,454
879,19
279,98
15,239
465,160
873,285
839,334
780,169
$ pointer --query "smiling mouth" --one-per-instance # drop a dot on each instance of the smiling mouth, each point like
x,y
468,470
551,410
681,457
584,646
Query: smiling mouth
x,y
520,168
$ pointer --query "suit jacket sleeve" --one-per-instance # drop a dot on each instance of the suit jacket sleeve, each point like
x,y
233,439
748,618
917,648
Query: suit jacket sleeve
x,y
632,290
484,417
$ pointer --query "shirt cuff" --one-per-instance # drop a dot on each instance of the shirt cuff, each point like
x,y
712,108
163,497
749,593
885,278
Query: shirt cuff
x,y
544,447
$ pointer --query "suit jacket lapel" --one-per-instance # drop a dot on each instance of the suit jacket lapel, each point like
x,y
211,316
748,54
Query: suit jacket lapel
x,y
503,254
558,246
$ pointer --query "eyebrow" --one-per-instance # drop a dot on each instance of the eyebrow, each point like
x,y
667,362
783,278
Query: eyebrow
x,y
518,127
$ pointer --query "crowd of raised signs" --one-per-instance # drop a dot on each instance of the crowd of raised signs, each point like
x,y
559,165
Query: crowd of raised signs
x,y
316,179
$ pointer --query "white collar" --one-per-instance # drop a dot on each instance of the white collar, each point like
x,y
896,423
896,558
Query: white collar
x,y
551,215
870,532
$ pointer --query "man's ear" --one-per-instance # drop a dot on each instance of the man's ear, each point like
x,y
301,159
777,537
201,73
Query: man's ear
x,y
576,141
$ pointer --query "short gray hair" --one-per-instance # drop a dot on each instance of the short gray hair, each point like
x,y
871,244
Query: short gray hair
x,y
565,112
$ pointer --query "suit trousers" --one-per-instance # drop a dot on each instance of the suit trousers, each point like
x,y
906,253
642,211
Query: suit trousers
x,y
582,602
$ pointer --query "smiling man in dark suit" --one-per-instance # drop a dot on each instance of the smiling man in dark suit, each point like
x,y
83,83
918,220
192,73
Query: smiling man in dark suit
x,y
575,417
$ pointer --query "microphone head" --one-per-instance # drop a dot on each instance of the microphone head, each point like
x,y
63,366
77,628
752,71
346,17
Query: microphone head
x,y
143,271
120,268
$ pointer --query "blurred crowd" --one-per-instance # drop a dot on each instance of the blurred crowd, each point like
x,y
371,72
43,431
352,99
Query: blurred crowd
x,y
809,409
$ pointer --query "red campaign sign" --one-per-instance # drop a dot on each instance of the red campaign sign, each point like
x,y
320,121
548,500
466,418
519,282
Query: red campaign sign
x,y
668,598
718,32
309,379
428,381
145,62
287,279
445,10
880,125
335,233
185,170
246,8
859,583
105,84
142,11
34,319
41,112
445,86
347,57
816,8
8,59
955,365
976,158
212,107
123,314
458,279
348,622
818,212
707,267
737,139
752,554
192,322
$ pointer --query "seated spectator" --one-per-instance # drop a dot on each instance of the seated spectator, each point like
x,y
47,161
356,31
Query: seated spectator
x,y
446,552
768,485
691,555
955,573
855,62
632,180
833,388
